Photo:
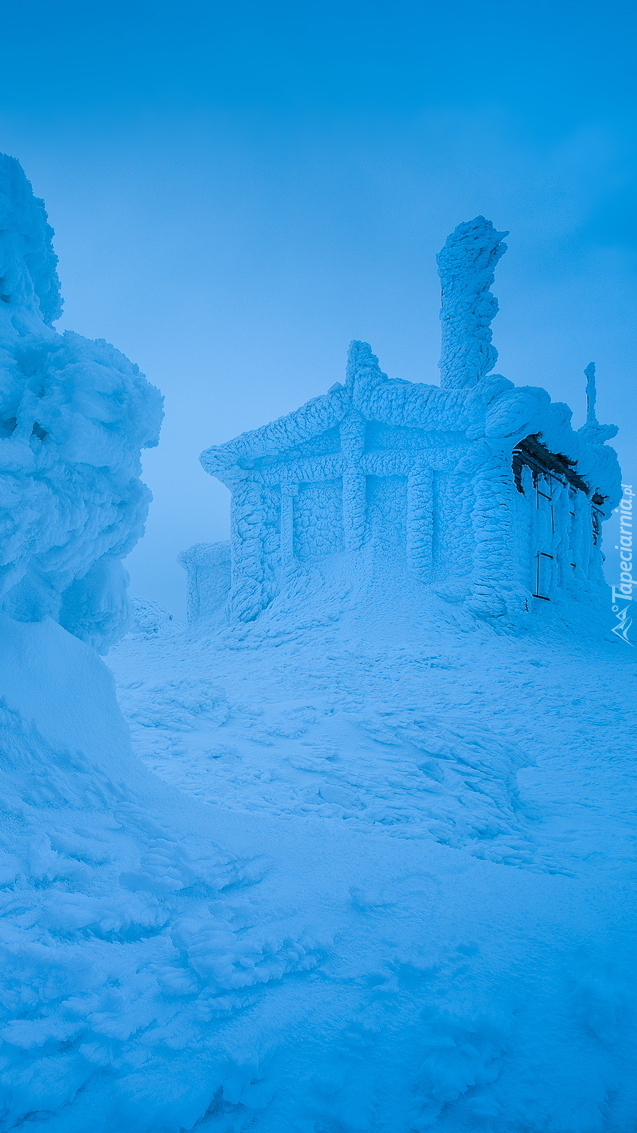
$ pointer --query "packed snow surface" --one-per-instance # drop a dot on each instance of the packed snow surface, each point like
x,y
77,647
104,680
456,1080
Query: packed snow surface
x,y
393,894
449,810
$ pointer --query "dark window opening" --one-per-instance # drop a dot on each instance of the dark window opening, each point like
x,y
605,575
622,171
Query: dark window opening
x,y
543,576
543,463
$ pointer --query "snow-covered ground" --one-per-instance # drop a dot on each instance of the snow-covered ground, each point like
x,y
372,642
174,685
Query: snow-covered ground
x,y
518,747
448,809
313,945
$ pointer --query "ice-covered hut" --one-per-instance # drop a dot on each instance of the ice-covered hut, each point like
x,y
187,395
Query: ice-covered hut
x,y
477,487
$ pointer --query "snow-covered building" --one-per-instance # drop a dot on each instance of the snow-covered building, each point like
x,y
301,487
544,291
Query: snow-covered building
x,y
476,487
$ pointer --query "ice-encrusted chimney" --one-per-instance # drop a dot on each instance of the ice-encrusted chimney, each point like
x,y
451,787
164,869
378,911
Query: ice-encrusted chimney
x,y
466,267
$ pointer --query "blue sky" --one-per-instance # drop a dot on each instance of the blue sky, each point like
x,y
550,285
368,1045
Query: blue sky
x,y
239,190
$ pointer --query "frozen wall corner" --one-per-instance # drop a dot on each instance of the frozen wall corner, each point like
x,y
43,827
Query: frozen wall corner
x,y
208,570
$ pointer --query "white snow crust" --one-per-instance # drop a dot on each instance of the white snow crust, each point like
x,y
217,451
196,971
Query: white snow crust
x,y
393,893
456,807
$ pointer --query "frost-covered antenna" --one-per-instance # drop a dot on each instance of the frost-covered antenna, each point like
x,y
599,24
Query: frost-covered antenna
x,y
466,267
592,430
591,394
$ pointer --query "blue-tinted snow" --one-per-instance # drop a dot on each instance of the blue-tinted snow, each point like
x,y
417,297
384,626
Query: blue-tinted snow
x,y
468,796
394,890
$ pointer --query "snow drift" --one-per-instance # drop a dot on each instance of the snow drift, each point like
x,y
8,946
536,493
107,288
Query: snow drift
x,y
125,929
450,812
169,965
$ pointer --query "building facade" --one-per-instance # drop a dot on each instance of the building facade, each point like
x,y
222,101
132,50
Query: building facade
x,y
475,486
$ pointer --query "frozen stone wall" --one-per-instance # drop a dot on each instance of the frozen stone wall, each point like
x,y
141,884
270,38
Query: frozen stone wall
x,y
208,569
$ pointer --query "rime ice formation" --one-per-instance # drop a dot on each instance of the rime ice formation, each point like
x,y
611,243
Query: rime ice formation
x,y
476,486
466,265
592,430
74,415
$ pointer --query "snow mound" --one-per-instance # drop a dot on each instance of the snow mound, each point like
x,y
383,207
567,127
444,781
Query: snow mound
x,y
125,929
316,976
149,618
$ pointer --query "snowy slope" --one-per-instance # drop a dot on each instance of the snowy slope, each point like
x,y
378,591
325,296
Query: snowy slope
x,y
322,946
125,928
392,707
377,759
172,965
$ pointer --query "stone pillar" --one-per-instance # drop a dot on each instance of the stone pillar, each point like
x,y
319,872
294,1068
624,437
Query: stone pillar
x,y
497,586
288,492
354,487
420,519
354,481
248,594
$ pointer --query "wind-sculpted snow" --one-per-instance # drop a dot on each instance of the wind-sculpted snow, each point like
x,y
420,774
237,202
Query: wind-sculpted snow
x,y
28,275
74,415
471,794
318,975
402,769
125,931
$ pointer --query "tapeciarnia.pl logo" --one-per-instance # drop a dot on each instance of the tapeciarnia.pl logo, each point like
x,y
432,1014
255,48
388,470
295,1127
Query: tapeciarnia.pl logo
x,y
622,595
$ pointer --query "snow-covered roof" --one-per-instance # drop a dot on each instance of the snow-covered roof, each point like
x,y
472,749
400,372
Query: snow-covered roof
x,y
469,401
493,411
